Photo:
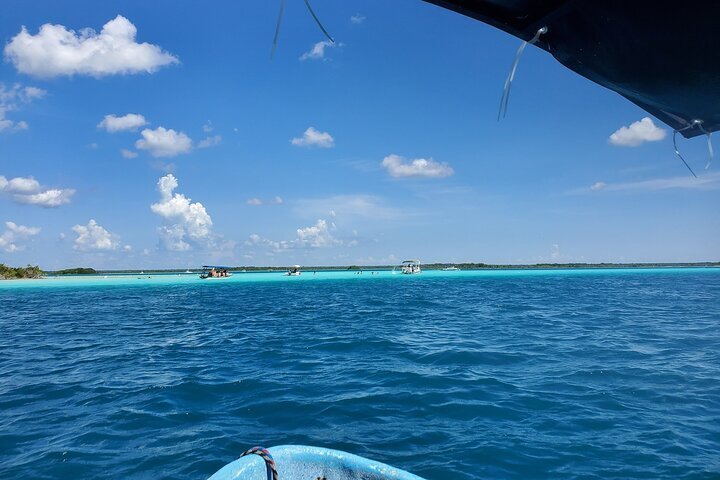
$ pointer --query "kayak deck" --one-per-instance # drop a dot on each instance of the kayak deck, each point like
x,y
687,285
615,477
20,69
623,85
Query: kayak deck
x,y
300,462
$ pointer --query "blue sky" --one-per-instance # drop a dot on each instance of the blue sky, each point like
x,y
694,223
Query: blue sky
x,y
188,144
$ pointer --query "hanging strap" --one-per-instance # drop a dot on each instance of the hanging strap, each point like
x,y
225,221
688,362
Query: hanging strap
x,y
279,22
511,76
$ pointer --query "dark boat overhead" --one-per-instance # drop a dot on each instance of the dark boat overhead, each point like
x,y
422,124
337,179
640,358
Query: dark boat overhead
x,y
662,55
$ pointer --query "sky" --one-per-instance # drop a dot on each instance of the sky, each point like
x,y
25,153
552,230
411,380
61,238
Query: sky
x,y
163,135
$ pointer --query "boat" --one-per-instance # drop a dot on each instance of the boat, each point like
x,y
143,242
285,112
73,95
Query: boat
x,y
188,271
410,267
293,271
215,271
301,462
450,269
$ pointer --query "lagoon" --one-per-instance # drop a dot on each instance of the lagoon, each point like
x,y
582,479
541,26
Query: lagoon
x,y
606,373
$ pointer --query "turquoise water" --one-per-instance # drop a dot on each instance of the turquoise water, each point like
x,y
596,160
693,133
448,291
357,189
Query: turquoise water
x,y
489,374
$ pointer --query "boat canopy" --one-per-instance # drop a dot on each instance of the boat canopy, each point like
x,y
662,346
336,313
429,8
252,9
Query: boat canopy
x,y
222,267
411,261
662,55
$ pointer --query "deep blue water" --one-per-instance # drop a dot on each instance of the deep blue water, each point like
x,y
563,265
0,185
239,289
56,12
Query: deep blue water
x,y
552,375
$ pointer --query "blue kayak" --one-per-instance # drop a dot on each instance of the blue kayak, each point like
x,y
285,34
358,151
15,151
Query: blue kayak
x,y
299,462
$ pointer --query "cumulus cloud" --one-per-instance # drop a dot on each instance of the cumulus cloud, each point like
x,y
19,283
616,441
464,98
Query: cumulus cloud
x,y
163,142
185,222
598,186
56,51
20,185
93,237
317,235
317,52
128,153
14,234
13,98
112,123
637,133
254,201
210,142
256,240
314,138
208,127
398,167
357,19
28,191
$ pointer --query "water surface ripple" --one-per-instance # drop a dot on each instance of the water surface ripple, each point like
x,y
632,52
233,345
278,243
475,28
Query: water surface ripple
x,y
503,376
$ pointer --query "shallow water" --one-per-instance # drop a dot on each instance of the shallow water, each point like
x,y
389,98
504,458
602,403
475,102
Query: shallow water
x,y
520,374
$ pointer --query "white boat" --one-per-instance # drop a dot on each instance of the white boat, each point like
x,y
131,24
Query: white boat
x,y
450,269
293,271
188,271
410,267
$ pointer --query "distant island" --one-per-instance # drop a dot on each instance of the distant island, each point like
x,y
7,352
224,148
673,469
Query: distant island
x,y
425,266
10,273
75,271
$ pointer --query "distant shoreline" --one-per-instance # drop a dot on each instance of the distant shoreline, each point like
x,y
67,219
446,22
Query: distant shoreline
x,y
430,266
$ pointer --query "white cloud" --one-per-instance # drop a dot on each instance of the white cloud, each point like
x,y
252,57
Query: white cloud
x,y
257,202
210,142
56,50
28,191
314,138
637,133
208,127
357,19
21,185
317,52
186,222
128,153
710,181
112,123
419,167
49,198
12,99
93,237
317,235
255,240
163,142
14,234
555,254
